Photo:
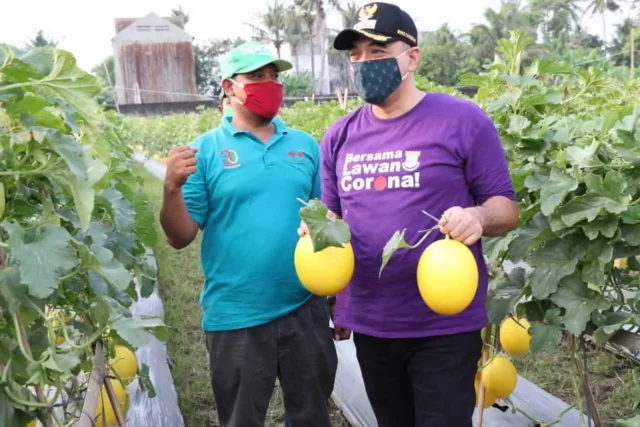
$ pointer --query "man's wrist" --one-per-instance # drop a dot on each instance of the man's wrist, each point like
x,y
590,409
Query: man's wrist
x,y
480,213
170,189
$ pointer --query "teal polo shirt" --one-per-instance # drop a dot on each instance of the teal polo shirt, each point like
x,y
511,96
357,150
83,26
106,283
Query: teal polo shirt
x,y
243,195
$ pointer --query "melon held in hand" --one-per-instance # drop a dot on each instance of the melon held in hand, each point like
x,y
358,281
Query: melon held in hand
x,y
447,276
326,272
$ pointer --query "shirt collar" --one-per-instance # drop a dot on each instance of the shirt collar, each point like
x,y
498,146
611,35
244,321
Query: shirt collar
x,y
281,127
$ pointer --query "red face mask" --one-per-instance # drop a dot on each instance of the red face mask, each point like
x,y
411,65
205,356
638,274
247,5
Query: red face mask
x,y
263,99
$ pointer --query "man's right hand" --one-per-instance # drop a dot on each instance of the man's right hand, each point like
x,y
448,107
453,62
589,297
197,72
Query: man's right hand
x,y
180,165
302,230
339,333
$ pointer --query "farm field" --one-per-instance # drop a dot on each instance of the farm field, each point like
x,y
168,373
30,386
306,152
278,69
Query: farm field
x,y
72,198
615,381
570,138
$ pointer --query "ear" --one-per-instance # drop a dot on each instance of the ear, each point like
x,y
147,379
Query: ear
x,y
414,59
227,86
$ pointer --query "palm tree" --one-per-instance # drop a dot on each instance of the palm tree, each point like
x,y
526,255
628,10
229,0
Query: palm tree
x,y
295,35
180,12
484,37
273,25
348,13
305,10
601,7
41,41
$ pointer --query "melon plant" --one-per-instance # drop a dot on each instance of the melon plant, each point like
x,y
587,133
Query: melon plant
x,y
74,230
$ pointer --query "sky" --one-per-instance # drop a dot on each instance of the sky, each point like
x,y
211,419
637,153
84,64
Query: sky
x,y
85,28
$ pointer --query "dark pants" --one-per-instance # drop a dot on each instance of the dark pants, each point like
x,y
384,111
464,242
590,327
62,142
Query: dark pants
x,y
297,348
420,382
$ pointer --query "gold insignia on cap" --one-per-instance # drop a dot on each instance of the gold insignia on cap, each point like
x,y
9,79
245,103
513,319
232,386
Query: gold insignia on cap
x,y
367,12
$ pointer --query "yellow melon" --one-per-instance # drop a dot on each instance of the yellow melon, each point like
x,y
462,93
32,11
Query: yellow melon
x,y
447,276
326,272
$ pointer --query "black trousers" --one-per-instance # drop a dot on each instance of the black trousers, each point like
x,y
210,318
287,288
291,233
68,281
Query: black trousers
x,y
297,348
421,382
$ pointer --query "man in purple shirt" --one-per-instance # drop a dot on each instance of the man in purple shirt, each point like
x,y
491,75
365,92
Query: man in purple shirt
x,y
382,165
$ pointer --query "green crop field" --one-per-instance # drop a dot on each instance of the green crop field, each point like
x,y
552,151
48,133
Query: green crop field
x,y
73,200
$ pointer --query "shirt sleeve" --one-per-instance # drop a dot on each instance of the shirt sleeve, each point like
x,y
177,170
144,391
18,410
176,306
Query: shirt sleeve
x,y
316,185
328,173
194,191
486,169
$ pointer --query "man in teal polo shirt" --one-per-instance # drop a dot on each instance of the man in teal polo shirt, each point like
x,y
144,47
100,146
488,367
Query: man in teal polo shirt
x,y
239,184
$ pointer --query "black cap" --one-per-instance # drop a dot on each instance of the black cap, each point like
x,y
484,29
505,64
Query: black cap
x,y
380,22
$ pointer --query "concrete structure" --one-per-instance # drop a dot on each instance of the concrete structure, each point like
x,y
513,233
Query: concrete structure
x,y
154,61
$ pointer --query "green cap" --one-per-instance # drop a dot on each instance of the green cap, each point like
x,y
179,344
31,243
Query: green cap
x,y
249,57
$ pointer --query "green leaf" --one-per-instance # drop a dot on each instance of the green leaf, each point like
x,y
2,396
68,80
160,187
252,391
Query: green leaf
x,y
6,409
593,274
631,215
147,286
43,256
65,80
504,293
631,422
323,231
86,170
145,221
583,157
536,181
62,362
100,312
610,120
610,323
11,290
145,379
606,227
551,263
545,337
602,196
137,331
573,296
506,99
630,234
493,247
531,236
124,214
101,260
555,190
517,124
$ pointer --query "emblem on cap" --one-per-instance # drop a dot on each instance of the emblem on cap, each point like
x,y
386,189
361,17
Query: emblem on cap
x,y
367,12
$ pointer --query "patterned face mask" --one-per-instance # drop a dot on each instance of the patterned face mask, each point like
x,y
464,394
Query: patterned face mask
x,y
376,79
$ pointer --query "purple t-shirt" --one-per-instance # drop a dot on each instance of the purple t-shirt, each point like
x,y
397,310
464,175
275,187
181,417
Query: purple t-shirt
x,y
379,175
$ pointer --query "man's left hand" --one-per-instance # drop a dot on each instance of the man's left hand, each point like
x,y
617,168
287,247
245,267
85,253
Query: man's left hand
x,y
462,224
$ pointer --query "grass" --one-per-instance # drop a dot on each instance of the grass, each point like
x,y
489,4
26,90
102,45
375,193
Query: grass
x,y
180,282
614,380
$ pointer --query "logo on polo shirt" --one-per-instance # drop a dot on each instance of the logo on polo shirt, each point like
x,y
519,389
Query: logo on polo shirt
x,y
230,158
295,156
387,170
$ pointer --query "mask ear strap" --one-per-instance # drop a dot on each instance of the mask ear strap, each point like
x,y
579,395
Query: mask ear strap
x,y
407,73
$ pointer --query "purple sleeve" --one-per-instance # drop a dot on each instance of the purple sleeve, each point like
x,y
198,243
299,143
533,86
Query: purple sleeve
x,y
486,169
329,187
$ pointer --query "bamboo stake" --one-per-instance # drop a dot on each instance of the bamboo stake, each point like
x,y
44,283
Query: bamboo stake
x,y
485,358
94,390
115,403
